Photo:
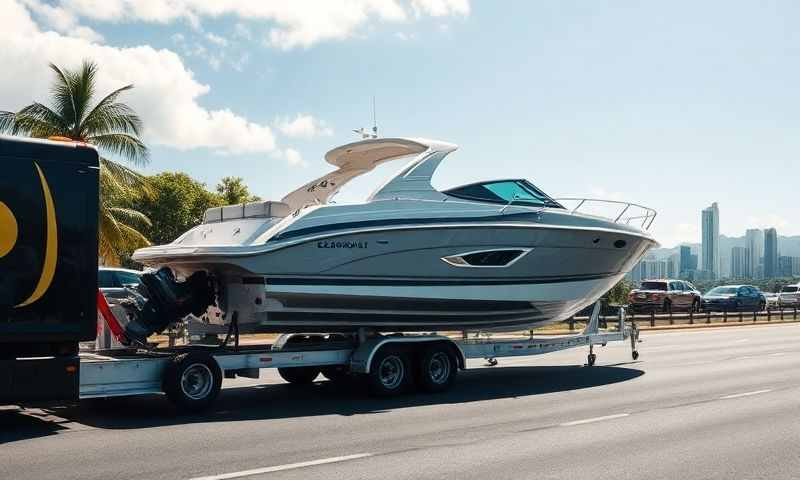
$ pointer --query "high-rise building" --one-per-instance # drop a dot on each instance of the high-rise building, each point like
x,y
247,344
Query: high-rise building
x,y
673,266
754,241
789,266
710,241
686,257
770,253
739,258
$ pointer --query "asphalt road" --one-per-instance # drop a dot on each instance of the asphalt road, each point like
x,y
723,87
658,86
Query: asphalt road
x,y
718,403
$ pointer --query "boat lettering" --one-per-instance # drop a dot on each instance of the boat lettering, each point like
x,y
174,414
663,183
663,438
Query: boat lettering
x,y
341,244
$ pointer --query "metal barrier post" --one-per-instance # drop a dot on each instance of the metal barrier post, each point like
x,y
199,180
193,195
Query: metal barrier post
x,y
708,316
691,316
795,313
725,315
740,316
652,318
754,315
671,320
781,313
769,315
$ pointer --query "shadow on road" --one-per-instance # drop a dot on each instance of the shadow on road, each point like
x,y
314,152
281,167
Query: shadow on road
x,y
272,401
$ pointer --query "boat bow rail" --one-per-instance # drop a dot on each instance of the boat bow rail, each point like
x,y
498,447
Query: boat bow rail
x,y
621,211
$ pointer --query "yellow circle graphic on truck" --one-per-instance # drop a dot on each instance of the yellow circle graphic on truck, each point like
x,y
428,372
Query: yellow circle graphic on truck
x,y
8,230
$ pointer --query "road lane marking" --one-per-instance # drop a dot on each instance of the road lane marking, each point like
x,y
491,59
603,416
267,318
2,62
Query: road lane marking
x,y
595,419
281,468
745,394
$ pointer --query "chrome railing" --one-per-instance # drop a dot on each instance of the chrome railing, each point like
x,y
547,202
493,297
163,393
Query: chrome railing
x,y
637,212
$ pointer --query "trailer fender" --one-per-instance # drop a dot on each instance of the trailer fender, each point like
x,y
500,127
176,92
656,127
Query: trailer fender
x,y
362,356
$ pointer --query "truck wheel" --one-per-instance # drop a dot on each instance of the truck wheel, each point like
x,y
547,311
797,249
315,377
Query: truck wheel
x,y
192,381
437,369
336,373
299,375
389,372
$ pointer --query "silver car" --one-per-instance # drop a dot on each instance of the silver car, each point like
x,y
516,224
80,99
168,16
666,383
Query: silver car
x,y
789,296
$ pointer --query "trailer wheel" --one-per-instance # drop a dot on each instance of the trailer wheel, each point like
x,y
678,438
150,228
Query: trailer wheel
x,y
299,375
389,372
192,381
437,369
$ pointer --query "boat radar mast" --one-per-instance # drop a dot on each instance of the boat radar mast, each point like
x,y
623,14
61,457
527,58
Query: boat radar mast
x,y
363,132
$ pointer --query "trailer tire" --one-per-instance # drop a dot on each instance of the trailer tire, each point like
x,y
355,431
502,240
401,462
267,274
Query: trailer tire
x,y
192,381
389,373
437,368
299,375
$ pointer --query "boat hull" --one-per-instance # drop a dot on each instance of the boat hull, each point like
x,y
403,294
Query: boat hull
x,y
411,305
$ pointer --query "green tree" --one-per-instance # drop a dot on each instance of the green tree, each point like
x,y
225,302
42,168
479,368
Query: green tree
x,y
232,190
114,128
618,295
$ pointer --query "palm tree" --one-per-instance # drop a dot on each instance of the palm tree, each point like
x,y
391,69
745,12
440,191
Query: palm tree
x,y
111,126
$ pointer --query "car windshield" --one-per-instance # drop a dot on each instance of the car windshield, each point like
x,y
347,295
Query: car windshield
x,y
723,291
654,286
518,192
789,290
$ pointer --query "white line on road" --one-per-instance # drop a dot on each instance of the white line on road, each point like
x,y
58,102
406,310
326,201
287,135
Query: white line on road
x,y
280,468
595,419
745,394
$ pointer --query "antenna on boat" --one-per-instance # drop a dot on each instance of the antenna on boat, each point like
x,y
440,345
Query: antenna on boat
x,y
363,132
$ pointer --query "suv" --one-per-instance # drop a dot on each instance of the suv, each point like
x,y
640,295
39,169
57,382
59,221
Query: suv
x,y
664,295
789,296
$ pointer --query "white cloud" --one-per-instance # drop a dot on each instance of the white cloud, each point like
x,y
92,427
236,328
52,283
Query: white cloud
x,y
216,39
440,8
303,126
166,93
61,20
296,23
294,158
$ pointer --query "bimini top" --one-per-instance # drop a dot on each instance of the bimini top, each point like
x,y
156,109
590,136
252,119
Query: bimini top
x,y
358,158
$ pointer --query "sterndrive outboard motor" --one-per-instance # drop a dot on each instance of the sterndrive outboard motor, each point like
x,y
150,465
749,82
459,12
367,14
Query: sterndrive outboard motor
x,y
167,301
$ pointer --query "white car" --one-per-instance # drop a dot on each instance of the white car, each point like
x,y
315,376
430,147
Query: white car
x,y
773,299
789,296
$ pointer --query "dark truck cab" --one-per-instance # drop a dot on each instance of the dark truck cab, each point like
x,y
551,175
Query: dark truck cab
x,y
48,266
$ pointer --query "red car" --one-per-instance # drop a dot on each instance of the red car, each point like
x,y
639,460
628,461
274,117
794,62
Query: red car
x,y
665,296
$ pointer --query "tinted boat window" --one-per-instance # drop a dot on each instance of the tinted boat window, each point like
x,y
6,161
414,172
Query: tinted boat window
x,y
520,191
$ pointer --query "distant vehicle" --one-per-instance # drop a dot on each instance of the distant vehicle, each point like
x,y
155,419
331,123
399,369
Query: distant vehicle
x,y
734,298
789,296
665,296
773,299
115,282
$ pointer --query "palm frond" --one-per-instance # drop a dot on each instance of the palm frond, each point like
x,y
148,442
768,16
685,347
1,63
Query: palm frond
x,y
123,179
122,144
62,94
82,87
38,120
6,121
101,118
131,216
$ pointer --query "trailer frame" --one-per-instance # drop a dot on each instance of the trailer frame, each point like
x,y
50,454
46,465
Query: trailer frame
x,y
299,358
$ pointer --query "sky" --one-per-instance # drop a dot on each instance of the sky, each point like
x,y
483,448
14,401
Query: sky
x,y
673,105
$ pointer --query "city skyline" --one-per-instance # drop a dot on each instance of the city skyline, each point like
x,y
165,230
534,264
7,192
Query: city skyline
x,y
759,256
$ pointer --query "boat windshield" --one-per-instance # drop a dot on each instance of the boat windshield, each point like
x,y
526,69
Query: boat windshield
x,y
521,192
